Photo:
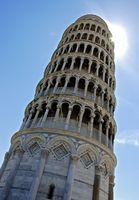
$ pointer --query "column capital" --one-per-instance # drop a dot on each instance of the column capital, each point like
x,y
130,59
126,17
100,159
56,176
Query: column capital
x,y
70,108
97,170
44,152
74,158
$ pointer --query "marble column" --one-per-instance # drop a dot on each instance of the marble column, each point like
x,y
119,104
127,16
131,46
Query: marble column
x,y
111,186
68,117
4,164
86,86
56,85
81,63
63,67
49,84
97,179
92,123
36,116
65,86
100,129
89,68
57,112
72,64
70,177
80,119
95,91
38,175
18,154
29,118
97,70
104,72
76,85
102,97
45,115
58,62
107,135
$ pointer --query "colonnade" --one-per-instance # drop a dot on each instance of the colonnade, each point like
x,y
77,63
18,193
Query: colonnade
x,y
83,115
78,86
86,65
85,48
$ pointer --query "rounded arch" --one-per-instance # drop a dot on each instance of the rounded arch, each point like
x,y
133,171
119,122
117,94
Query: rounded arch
x,y
61,139
93,152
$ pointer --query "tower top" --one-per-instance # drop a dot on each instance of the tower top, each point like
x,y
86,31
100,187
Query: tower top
x,y
94,18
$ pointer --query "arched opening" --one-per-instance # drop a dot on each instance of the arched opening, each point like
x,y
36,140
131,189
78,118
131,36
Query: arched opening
x,y
60,65
85,65
110,82
104,33
51,191
81,84
60,52
78,36
107,60
81,48
90,87
103,43
81,26
53,83
66,49
68,63
93,27
98,29
104,125
102,56
93,67
75,27
84,36
52,110
88,49
75,112
95,52
105,99
77,63
98,94
87,26
97,40
45,86
54,67
86,116
42,111
62,82
96,120
72,37
106,77
34,112
100,72
73,49
91,37
71,82
64,110
107,47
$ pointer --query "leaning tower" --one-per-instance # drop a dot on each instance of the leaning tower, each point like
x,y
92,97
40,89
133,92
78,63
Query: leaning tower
x,y
64,148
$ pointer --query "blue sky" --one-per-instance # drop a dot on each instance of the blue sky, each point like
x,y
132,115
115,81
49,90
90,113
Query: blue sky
x,y
30,32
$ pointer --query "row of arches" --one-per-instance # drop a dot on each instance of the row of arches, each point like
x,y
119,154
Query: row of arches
x,y
71,116
86,49
90,27
84,64
79,86
90,38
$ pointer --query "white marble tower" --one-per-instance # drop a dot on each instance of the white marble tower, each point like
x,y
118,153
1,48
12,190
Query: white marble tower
x,y
64,148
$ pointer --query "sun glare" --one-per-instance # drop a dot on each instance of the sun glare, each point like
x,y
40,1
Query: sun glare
x,y
120,39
